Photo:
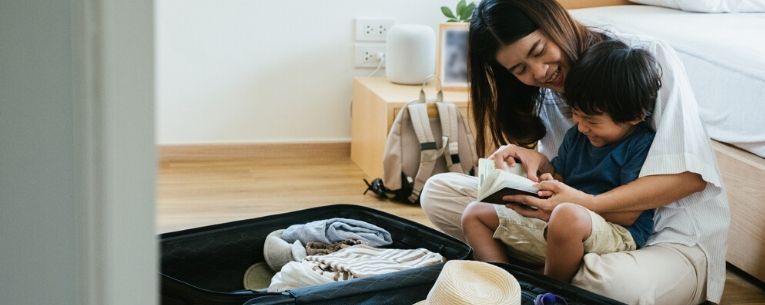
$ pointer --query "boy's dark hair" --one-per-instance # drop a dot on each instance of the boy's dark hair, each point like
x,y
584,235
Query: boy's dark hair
x,y
614,79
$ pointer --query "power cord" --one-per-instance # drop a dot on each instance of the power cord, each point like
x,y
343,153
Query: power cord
x,y
381,57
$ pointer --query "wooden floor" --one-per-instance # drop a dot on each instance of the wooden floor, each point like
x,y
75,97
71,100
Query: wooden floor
x,y
201,189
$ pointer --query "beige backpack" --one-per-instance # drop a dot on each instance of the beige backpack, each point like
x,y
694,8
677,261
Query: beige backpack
x,y
420,146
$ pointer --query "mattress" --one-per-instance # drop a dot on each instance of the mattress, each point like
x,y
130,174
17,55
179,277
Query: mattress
x,y
724,56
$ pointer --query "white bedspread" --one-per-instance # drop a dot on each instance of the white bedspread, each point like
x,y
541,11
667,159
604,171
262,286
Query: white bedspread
x,y
724,55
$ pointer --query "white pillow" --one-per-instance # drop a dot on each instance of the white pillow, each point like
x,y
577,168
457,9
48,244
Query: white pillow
x,y
710,6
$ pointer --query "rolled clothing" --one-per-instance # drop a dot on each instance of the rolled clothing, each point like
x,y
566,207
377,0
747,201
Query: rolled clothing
x,y
299,274
352,262
338,229
362,260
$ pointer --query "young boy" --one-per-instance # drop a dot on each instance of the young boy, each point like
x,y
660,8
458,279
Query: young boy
x,y
611,90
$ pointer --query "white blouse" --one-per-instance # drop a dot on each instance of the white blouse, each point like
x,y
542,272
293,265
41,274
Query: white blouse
x,y
681,144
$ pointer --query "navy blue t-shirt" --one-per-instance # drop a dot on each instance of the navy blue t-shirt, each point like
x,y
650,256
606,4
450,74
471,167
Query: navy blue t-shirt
x,y
596,170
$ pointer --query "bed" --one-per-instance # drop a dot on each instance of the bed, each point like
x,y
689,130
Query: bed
x,y
724,55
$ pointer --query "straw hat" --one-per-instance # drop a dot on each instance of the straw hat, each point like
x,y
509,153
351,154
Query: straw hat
x,y
473,282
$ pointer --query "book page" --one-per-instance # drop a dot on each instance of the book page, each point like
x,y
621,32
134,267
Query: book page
x,y
494,183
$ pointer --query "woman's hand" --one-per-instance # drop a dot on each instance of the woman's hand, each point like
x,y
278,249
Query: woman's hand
x,y
505,156
556,192
528,212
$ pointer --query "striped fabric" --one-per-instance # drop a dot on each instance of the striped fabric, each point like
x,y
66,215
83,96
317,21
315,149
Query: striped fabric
x,y
349,263
362,261
681,144
556,116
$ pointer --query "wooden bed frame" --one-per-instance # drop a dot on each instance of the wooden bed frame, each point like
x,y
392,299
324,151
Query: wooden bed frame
x,y
743,175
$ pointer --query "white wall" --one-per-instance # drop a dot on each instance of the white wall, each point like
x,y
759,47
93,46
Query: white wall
x,y
250,71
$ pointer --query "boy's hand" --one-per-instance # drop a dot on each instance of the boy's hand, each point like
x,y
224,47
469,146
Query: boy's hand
x,y
542,178
556,192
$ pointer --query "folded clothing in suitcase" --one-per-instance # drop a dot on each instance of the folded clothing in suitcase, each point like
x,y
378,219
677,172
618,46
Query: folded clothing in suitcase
x,y
206,265
411,286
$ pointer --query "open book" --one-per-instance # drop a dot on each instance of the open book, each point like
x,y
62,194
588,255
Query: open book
x,y
494,183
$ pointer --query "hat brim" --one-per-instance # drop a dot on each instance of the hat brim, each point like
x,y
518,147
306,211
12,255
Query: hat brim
x,y
489,284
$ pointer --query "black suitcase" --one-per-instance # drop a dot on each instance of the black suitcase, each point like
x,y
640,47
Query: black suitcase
x,y
206,265
534,283
408,287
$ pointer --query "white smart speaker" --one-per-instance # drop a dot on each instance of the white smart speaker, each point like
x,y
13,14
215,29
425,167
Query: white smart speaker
x,y
410,54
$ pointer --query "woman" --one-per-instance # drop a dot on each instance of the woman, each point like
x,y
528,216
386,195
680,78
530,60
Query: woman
x,y
520,51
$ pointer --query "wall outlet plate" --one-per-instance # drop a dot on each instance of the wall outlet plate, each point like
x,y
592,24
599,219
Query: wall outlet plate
x,y
373,29
368,55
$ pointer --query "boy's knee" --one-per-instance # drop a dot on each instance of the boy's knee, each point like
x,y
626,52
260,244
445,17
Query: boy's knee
x,y
477,212
569,220
472,211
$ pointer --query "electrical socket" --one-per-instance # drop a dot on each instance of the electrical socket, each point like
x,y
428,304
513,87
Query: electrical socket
x,y
366,55
373,29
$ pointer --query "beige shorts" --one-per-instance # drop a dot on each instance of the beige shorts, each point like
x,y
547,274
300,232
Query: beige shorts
x,y
525,240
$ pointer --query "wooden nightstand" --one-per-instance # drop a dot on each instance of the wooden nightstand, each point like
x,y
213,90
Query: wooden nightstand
x,y
376,101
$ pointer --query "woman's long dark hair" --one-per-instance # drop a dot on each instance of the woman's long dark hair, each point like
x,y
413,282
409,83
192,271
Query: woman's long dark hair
x,y
503,107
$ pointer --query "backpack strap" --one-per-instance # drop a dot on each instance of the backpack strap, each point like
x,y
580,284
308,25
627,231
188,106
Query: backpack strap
x,y
429,151
450,129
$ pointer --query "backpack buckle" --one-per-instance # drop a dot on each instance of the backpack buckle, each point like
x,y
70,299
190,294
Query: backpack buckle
x,y
377,187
